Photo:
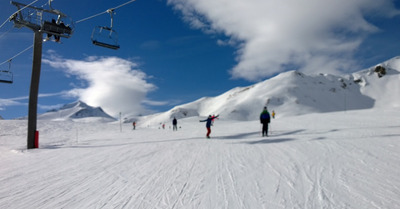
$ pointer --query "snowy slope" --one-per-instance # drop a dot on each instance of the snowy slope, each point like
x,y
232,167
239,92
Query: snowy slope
x,y
334,160
76,110
294,93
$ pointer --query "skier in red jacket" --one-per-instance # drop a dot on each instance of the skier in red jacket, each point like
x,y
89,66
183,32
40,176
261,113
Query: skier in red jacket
x,y
208,124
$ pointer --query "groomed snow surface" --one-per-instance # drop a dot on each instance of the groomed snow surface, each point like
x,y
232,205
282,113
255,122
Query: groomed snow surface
x,y
327,160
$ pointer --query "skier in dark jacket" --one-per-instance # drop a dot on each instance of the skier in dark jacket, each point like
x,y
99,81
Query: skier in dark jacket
x,y
208,124
265,120
134,125
174,124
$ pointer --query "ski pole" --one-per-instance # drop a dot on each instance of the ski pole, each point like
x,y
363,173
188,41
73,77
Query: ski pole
x,y
270,128
261,127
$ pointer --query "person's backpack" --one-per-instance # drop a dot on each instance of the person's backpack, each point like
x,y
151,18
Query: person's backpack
x,y
265,117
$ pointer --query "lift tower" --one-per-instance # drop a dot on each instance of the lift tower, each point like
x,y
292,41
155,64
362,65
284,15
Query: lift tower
x,y
40,21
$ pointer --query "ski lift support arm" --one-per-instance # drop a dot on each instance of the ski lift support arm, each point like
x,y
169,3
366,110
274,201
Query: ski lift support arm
x,y
45,26
111,12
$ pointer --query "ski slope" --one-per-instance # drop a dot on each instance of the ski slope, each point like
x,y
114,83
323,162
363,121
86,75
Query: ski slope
x,y
327,160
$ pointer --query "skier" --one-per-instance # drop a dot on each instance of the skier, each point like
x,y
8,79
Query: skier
x,y
134,125
265,120
273,114
208,124
174,124
56,38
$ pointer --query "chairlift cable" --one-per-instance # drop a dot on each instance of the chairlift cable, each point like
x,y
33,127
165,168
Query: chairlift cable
x,y
128,2
93,16
4,23
9,30
107,11
17,55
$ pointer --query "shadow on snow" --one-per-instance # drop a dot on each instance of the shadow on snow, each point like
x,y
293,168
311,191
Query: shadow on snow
x,y
270,141
237,136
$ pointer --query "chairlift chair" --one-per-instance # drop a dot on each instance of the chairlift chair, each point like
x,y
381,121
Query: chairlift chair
x,y
56,29
6,76
106,36
60,24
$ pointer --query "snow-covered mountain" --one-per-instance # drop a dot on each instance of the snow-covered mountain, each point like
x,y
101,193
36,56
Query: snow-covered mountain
x,y
295,93
385,90
76,110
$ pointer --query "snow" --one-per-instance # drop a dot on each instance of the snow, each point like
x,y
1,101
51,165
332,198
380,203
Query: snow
x,y
323,160
333,144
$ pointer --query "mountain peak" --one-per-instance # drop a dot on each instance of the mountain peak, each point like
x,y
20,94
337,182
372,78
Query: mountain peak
x,y
75,110
78,103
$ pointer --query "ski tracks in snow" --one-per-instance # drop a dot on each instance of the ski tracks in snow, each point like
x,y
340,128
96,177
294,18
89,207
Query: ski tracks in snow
x,y
302,165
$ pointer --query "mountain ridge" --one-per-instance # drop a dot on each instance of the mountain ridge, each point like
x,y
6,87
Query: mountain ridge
x,y
296,93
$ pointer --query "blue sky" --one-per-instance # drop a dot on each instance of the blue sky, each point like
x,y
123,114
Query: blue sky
x,y
176,51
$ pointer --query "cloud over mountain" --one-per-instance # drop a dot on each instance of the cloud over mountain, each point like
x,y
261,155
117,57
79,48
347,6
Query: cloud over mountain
x,y
113,83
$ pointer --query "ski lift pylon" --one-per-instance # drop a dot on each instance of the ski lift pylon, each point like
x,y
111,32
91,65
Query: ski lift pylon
x,y
6,76
106,36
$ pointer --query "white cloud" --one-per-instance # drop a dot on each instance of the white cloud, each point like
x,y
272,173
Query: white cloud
x,y
274,36
23,100
16,101
8,102
110,82
50,107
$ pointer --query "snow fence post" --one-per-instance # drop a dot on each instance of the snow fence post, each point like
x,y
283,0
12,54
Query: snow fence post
x,y
36,144
120,122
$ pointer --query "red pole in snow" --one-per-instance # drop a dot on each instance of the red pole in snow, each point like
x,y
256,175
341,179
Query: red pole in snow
x,y
36,144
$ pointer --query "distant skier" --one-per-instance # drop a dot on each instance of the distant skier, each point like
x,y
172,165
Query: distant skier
x,y
208,124
273,114
134,125
174,124
265,120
